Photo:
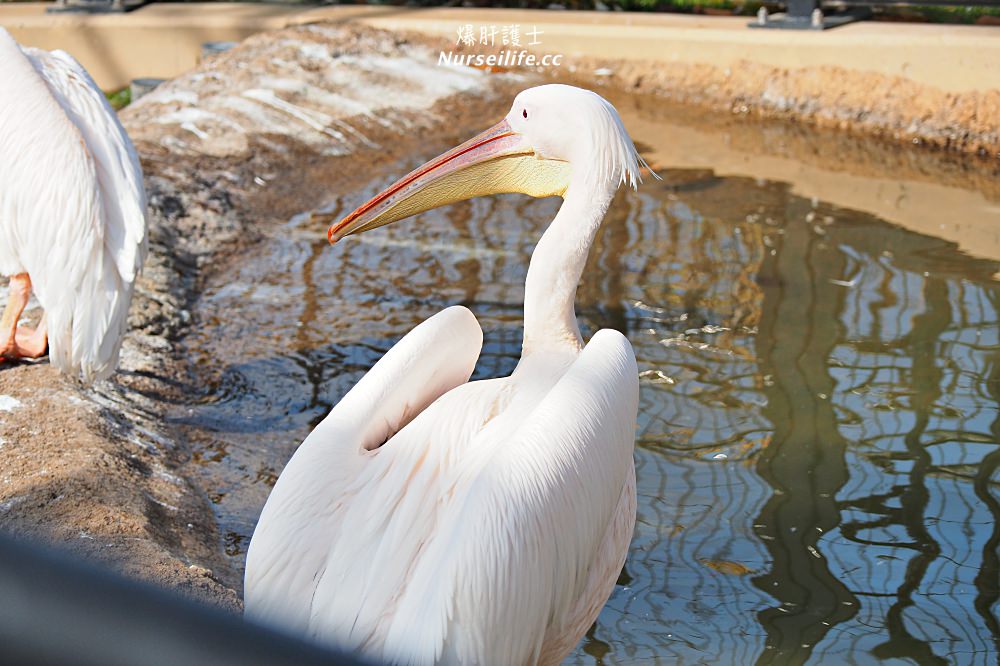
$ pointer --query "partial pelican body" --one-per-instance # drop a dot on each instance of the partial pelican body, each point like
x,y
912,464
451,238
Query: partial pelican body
x,y
72,212
432,520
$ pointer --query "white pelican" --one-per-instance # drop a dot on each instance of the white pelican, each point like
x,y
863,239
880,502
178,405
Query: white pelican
x,y
432,520
72,212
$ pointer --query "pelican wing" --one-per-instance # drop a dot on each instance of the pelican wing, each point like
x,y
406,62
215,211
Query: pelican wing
x,y
322,538
522,527
479,521
72,204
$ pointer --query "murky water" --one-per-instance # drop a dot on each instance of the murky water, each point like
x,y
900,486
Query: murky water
x,y
818,431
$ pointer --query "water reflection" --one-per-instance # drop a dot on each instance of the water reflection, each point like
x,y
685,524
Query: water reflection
x,y
801,294
818,428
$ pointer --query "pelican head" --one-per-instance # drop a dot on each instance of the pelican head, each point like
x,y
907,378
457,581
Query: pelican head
x,y
553,134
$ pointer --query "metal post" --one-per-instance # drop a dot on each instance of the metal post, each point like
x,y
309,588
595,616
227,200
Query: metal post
x,y
93,6
808,15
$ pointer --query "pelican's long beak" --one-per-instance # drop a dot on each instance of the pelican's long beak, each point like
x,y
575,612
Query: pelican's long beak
x,y
498,160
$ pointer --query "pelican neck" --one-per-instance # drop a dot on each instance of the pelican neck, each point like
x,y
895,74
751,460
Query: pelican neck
x,y
557,264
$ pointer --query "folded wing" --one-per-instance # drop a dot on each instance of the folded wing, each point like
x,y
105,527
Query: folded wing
x,y
344,505
526,523
477,523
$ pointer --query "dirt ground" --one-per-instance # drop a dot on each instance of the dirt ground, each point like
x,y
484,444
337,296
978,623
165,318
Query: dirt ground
x,y
230,151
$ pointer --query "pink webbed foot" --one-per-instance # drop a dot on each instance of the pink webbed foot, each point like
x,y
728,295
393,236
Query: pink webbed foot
x,y
17,341
31,343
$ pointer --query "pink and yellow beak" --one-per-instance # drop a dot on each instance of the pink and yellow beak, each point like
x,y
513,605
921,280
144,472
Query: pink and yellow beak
x,y
497,161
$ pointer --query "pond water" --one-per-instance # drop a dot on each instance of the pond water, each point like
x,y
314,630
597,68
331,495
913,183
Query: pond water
x,y
818,434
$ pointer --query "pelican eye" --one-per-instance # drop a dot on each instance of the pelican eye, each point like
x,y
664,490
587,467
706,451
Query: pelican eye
x,y
524,113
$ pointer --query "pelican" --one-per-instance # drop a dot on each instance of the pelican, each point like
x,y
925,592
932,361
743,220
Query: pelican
x,y
432,520
72,212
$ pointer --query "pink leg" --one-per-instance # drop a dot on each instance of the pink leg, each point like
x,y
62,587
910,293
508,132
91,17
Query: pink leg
x,y
20,290
32,343
18,341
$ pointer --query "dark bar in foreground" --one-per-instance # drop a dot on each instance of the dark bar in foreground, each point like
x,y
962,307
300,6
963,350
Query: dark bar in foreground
x,y
56,610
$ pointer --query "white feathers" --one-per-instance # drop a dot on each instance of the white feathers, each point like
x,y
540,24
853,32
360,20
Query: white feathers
x,y
492,524
581,127
72,204
336,504
470,537
615,154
